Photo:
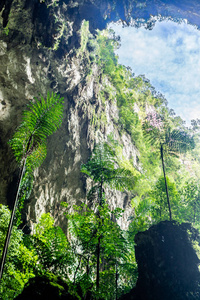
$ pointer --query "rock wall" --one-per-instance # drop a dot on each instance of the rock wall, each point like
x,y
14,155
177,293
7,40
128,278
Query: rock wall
x,y
167,263
38,53
29,69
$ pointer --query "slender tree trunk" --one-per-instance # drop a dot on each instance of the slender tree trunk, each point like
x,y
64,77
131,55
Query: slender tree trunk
x,y
7,240
99,238
101,193
87,266
98,261
116,281
163,165
195,213
79,263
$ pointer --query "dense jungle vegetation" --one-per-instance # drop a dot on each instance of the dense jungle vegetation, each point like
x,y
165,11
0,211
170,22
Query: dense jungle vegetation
x,y
96,258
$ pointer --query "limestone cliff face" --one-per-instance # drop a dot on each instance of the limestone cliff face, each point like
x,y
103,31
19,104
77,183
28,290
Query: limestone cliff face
x,y
38,53
29,68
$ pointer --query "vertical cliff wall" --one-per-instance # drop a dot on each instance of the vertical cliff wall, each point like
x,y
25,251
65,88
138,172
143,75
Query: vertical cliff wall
x,y
31,66
38,53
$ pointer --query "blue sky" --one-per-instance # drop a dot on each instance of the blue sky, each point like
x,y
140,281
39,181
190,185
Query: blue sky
x,y
169,56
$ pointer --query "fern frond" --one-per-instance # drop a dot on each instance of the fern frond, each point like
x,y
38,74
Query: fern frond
x,y
103,167
44,117
37,156
40,120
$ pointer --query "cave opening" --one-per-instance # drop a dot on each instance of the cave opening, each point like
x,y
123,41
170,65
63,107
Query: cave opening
x,y
167,54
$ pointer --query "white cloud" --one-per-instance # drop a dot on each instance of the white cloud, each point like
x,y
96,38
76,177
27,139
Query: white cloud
x,y
168,55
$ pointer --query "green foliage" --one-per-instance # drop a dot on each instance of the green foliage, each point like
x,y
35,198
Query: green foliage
x,y
142,219
169,141
29,141
44,225
86,226
106,45
6,29
84,32
24,194
20,261
191,201
28,145
173,140
51,246
107,247
135,98
104,168
159,201
49,3
40,120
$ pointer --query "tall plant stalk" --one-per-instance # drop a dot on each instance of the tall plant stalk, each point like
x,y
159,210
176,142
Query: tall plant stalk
x,y
171,140
166,187
99,238
10,226
98,262
116,280
28,144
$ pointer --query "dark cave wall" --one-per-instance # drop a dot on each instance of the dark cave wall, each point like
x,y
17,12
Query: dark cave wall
x,y
41,17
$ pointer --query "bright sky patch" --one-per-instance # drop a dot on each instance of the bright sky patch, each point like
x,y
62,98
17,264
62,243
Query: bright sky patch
x,y
169,56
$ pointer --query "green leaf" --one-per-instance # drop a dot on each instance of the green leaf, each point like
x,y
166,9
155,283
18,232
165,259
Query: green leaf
x,y
42,118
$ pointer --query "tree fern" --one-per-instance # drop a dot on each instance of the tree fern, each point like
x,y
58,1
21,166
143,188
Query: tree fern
x,y
42,118
104,168
166,140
